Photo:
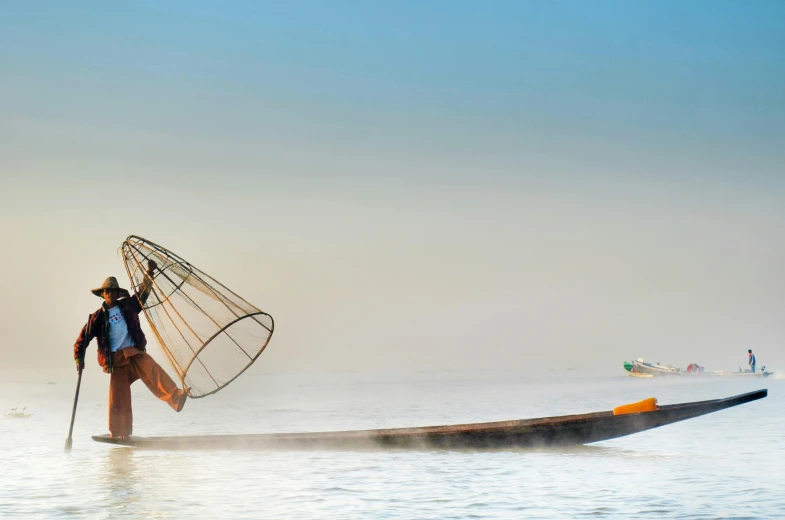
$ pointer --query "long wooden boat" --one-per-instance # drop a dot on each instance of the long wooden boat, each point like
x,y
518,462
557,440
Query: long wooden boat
x,y
641,367
528,433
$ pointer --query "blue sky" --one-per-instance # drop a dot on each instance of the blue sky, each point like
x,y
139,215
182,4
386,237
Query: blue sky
x,y
666,75
561,163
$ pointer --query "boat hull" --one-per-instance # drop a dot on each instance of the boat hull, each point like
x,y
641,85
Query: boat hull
x,y
566,430
630,368
660,370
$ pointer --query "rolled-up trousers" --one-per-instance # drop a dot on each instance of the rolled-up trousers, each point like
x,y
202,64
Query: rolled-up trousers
x,y
129,365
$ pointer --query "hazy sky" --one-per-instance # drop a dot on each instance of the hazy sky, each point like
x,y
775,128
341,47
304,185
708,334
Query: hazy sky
x,y
417,185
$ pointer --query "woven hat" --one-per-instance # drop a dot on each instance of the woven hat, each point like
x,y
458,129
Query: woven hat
x,y
110,283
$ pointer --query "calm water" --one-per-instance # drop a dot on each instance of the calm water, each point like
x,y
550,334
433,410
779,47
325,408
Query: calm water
x,y
730,464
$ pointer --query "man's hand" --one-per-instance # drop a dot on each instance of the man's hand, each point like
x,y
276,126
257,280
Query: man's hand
x,y
151,266
79,366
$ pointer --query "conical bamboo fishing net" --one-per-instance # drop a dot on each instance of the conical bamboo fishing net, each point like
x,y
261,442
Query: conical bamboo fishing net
x,y
210,334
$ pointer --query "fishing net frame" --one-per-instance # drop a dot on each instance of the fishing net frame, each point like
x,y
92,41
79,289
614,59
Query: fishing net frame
x,y
228,309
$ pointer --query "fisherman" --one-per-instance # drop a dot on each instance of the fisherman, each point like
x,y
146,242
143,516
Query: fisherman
x,y
121,352
751,360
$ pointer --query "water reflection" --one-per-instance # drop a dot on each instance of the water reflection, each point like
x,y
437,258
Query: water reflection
x,y
123,478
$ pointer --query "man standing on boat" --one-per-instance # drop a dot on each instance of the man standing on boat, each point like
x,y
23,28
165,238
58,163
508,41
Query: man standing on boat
x,y
121,352
752,360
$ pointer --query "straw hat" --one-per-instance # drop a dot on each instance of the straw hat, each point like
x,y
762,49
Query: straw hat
x,y
111,283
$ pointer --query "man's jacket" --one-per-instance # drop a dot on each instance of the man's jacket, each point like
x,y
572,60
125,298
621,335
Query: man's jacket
x,y
98,327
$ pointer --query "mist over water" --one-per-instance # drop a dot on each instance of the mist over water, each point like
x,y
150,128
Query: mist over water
x,y
723,465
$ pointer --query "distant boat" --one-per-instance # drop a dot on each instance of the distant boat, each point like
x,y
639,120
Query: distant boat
x,y
567,430
640,368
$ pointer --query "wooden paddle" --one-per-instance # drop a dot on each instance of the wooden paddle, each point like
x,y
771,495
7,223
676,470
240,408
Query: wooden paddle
x,y
68,441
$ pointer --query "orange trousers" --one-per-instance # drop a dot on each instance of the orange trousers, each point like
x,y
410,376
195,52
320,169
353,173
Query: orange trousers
x,y
130,364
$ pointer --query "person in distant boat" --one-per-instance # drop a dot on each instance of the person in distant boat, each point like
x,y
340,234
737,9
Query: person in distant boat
x,y
121,352
751,361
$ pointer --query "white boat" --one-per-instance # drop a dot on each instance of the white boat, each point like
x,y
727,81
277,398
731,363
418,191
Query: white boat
x,y
639,366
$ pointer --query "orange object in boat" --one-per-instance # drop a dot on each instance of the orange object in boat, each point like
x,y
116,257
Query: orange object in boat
x,y
647,405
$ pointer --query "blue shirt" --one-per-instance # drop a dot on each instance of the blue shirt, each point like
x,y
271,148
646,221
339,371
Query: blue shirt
x,y
118,334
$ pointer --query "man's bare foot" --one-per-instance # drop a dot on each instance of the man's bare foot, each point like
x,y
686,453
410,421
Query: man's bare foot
x,y
181,402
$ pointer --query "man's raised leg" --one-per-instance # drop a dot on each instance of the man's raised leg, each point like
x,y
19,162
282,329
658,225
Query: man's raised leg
x,y
158,381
